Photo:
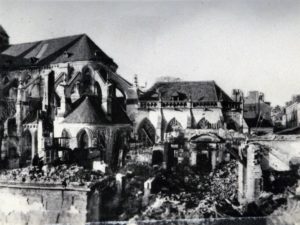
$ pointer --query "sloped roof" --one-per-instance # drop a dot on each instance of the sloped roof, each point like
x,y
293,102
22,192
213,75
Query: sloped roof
x,y
58,50
119,115
31,117
2,31
87,110
197,90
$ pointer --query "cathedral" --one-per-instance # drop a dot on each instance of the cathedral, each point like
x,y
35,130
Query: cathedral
x,y
65,93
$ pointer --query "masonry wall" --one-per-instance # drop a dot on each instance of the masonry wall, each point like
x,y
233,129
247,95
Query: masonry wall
x,y
36,205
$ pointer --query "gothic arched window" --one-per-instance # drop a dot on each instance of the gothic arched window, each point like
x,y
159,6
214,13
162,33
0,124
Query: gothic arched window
x,y
83,140
146,133
65,141
203,124
173,125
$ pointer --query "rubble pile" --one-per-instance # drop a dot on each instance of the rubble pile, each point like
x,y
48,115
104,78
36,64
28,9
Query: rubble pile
x,y
223,183
132,198
187,194
62,174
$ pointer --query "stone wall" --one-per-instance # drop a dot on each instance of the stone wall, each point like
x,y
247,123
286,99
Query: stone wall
x,y
39,205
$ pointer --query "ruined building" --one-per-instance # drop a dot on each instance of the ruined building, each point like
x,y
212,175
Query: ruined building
x,y
65,93
168,107
257,113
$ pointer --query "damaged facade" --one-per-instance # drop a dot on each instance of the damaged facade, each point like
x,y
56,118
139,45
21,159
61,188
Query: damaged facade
x,y
267,164
66,93
168,107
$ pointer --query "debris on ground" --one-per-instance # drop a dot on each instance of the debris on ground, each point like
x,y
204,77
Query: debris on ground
x,y
61,174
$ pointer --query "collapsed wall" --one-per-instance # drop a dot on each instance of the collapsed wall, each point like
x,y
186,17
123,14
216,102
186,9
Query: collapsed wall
x,y
41,204
37,204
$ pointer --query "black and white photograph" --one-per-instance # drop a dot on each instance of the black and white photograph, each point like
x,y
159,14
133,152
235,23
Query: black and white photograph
x,y
152,112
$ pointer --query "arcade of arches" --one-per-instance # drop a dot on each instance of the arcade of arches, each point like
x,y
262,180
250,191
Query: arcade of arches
x,y
83,140
65,142
173,125
146,133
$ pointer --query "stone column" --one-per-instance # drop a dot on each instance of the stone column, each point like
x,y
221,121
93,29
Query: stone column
x,y
63,105
45,101
158,128
253,173
213,159
19,105
107,100
193,157
33,143
241,170
40,140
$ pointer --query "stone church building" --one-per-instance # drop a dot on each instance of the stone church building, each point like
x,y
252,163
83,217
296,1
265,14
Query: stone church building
x,y
191,107
66,92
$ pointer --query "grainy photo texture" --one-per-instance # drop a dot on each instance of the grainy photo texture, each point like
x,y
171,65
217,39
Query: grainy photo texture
x,y
150,112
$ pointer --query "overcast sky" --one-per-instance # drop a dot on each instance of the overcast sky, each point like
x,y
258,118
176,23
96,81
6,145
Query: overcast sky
x,y
251,45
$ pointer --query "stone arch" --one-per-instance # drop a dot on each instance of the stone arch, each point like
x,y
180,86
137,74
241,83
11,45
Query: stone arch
x,y
103,73
11,127
27,78
157,157
26,154
121,97
101,136
61,77
97,90
66,136
173,125
84,138
74,93
12,151
51,83
232,125
59,89
13,92
204,124
120,83
87,69
120,92
35,91
5,80
86,86
146,132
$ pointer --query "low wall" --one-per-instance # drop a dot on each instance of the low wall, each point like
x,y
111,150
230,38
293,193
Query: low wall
x,y
34,204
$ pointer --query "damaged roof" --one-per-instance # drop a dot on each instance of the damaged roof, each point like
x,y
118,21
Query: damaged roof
x,y
196,90
58,50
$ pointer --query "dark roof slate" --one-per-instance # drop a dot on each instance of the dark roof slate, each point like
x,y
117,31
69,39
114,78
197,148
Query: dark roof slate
x,y
86,110
57,50
198,91
31,117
